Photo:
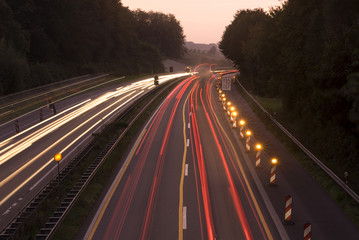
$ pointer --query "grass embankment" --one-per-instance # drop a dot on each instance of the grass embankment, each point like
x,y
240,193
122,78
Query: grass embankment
x,y
273,106
70,228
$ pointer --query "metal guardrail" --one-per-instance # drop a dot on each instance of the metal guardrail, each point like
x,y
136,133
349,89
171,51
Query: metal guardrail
x,y
340,182
45,89
63,98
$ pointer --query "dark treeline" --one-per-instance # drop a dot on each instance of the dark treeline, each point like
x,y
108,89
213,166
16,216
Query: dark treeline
x,y
42,41
307,54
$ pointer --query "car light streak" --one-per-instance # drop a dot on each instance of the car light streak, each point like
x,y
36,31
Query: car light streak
x,y
256,206
180,89
159,115
183,173
115,225
232,188
194,165
22,144
178,98
47,149
203,175
120,212
46,130
3,143
63,137
11,149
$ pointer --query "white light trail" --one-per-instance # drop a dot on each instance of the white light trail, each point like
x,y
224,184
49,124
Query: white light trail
x,y
10,151
44,121
64,149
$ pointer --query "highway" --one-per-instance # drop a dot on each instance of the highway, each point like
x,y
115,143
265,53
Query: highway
x,y
184,178
26,158
188,176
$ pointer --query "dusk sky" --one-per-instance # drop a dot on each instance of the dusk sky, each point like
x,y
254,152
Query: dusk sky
x,y
203,21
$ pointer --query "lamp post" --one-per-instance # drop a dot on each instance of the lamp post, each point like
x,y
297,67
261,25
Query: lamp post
x,y
58,158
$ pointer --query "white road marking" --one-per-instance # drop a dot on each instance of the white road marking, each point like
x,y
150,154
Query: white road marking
x,y
184,214
187,142
186,170
189,125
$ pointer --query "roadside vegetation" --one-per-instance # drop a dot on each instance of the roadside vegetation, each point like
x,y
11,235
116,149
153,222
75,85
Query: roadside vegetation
x,y
46,41
305,54
272,106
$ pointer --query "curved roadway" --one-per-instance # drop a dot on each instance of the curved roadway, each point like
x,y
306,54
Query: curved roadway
x,y
184,178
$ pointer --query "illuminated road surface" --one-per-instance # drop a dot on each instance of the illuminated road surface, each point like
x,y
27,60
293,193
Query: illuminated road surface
x,y
26,159
184,179
188,177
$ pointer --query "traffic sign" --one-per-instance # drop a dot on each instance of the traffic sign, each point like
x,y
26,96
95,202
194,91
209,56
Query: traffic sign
x,y
226,83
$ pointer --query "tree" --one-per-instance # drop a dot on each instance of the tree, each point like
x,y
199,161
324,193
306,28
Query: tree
x,y
162,31
212,51
14,70
308,50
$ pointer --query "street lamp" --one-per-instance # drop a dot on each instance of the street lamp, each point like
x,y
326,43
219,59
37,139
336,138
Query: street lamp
x,y
58,158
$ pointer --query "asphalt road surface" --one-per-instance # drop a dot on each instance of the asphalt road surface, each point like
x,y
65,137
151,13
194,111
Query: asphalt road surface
x,y
188,176
27,158
184,178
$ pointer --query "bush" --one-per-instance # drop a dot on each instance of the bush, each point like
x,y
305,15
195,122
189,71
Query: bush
x,y
14,69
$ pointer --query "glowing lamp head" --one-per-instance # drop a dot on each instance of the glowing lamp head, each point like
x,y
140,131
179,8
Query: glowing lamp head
x,y
229,103
274,161
232,109
242,122
220,91
248,133
259,146
223,95
58,157
234,114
